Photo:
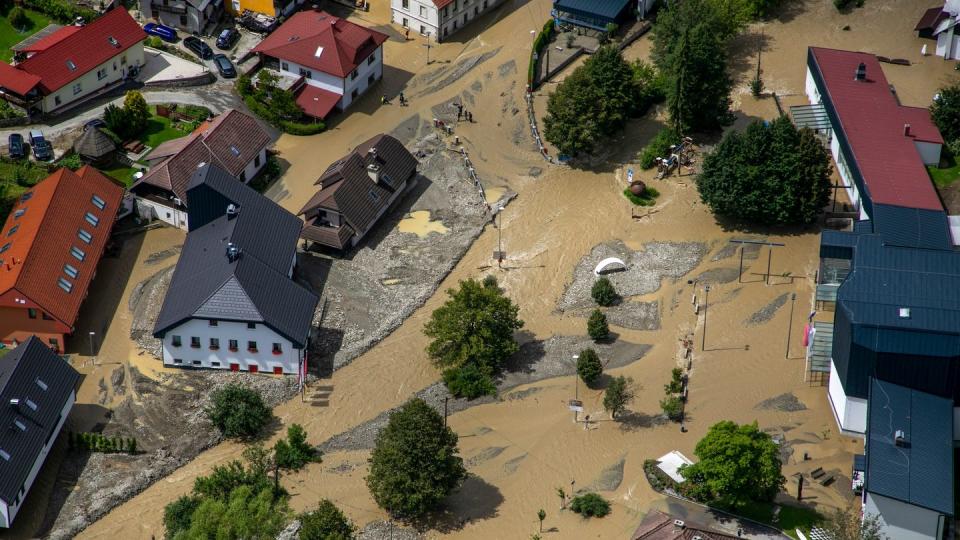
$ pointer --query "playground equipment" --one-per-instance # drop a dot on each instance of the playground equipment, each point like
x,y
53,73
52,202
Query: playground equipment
x,y
681,155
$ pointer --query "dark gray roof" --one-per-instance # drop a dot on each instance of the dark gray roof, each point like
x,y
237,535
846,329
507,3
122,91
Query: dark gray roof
x,y
252,287
94,143
921,471
20,371
917,227
347,187
607,9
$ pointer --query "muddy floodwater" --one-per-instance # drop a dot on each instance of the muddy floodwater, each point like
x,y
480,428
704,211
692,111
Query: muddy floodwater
x,y
522,446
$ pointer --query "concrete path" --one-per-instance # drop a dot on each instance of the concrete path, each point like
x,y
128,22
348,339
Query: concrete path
x,y
714,519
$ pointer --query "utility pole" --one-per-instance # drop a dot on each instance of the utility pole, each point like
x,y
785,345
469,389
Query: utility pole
x,y
445,400
428,48
499,239
92,334
706,305
793,299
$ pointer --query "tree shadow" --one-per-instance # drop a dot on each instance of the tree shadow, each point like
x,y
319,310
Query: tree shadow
x,y
743,53
475,500
531,352
788,11
631,421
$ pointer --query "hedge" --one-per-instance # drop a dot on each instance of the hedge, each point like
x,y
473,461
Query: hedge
x,y
287,126
539,44
61,10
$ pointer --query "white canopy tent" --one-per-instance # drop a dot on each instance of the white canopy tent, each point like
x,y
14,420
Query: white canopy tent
x,y
610,264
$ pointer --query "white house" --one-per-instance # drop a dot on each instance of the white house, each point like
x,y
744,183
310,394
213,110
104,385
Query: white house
x,y
234,141
331,61
438,18
73,63
37,391
232,303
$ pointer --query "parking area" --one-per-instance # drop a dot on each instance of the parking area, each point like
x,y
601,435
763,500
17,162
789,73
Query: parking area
x,y
162,67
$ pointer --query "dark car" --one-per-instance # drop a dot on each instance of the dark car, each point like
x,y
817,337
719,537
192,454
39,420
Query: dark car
x,y
227,39
225,66
198,47
15,145
42,149
163,32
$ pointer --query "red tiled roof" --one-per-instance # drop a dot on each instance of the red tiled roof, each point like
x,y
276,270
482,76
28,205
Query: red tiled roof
x,y
442,3
659,526
318,40
317,102
18,81
43,234
922,127
86,49
873,121
49,41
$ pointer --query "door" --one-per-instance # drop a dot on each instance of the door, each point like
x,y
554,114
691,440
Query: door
x,y
277,370
254,368
234,367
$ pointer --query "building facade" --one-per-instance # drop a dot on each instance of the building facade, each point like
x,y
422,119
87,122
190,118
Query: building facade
x,y
197,17
232,303
438,19
75,65
37,392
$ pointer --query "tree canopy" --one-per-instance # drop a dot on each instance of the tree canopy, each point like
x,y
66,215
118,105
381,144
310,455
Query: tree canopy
x,y
327,522
238,411
738,464
689,49
294,452
770,174
589,367
415,462
945,112
850,525
619,393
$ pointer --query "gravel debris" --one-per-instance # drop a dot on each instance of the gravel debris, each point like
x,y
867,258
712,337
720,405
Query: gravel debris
x,y
506,69
511,465
609,479
449,76
633,315
159,256
384,530
784,402
719,275
645,271
522,394
767,312
485,454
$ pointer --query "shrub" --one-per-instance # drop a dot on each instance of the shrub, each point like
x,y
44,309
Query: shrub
x,y
648,198
659,146
618,395
61,10
539,44
302,128
237,411
154,42
18,18
841,4
590,505
597,327
71,161
468,381
756,87
138,112
8,111
603,292
327,522
177,515
118,121
589,367
294,452
672,406
675,386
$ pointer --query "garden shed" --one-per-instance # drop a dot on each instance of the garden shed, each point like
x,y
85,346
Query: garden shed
x,y
94,146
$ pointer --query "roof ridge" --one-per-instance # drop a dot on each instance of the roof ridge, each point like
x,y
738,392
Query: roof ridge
x,y
43,223
231,277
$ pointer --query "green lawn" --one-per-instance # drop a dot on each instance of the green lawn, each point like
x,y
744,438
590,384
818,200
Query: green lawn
x,y
946,176
120,172
10,36
789,519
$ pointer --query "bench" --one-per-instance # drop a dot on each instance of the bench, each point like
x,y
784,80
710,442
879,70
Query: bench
x,y
817,473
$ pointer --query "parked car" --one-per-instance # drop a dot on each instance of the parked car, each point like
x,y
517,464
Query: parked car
x,y
15,145
42,149
95,123
163,32
198,47
228,38
225,66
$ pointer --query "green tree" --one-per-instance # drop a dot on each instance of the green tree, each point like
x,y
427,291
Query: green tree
x,y
945,112
563,497
689,49
474,327
850,525
138,112
18,18
597,327
771,174
541,515
649,83
618,395
590,505
118,121
603,292
675,386
589,367
571,123
672,406
294,452
327,522
246,514
738,464
414,464
177,515
469,381
616,88
238,412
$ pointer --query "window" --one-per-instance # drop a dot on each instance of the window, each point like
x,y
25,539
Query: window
x,y
214,322
423,29
91,219
123,60
45,317
56,100
4,454
20,212
32,313
277,349
277,370
355,93
256,161
353,76
64,284
20,425
446,10
251,326
43,386
252,346
215,364
373,56
98,202
101,74
183,20
176,341
423,11
77,253
284,66
31,404
373,196
5,247
70,65
70,270
13,230
77,88
253,367
195,342
406,4
178,360
405,22
197,363
306,73
370,79
54,344
85,236
214,344
232,344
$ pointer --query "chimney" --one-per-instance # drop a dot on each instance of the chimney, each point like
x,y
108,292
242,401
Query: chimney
x,y
900,438
678,523
233,252
861,74
373,171
906,130
232,211
15,403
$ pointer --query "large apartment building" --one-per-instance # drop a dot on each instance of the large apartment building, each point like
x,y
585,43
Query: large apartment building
x,y
438,19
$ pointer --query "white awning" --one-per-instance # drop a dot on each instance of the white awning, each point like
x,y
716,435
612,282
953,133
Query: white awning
x,y
609,264
670,464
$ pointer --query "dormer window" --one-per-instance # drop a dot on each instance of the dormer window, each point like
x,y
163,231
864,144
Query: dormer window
x,y
71,66
91,219
98,202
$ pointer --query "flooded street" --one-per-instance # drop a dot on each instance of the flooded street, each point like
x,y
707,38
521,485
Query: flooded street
x,y
524,446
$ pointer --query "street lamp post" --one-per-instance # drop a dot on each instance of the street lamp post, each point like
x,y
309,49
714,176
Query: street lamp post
x,y
793,299
706,305
91,343
428,48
